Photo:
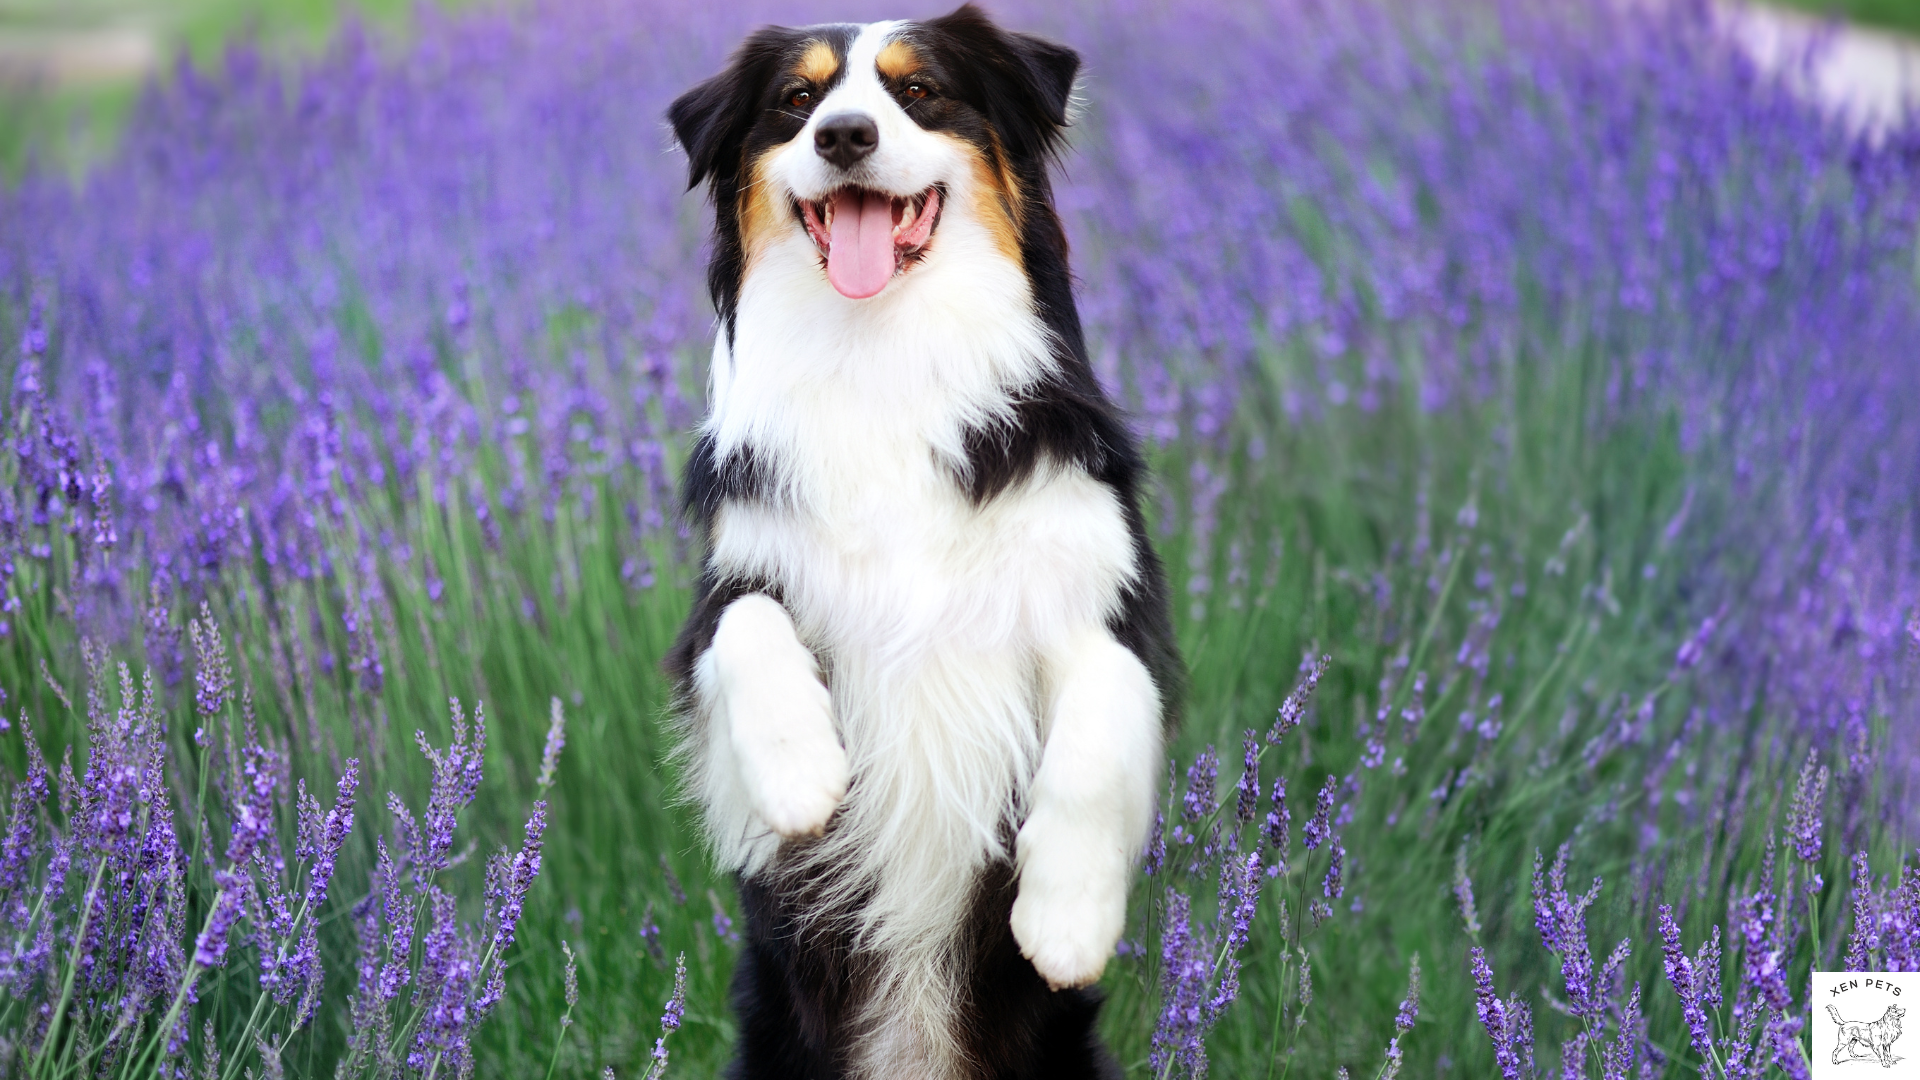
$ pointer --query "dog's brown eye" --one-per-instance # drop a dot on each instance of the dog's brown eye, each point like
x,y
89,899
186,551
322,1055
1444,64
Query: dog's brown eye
x,y
800,99
916,90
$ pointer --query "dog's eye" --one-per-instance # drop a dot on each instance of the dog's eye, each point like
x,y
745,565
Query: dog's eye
x,y
800,99
916,90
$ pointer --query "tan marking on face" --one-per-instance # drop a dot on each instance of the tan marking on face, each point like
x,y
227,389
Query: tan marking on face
x,y
818,64
897,60
996,193
763,219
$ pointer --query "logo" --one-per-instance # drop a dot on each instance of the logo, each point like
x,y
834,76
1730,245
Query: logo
x,y
1861,1026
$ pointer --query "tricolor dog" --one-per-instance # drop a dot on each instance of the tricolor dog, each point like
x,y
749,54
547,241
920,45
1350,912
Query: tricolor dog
x,y
928,674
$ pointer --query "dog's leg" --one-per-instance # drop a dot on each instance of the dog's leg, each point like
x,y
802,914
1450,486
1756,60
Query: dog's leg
x,y
1089,809
772,718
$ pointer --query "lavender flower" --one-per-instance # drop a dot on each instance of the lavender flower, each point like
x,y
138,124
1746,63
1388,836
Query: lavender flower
x,y
1155,857
1319,828
456,779
1463,893
1803,821
1334,886
1247,791
1403,1020
328,835
1561,920
1277,827
210,948
1865,939
670,1018
722,922
213,678
1179,1037
1688,982
650,934
1200,799
1508,1022
1294,708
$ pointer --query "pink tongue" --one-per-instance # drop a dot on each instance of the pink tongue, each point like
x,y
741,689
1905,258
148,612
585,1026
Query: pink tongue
x,y
860,258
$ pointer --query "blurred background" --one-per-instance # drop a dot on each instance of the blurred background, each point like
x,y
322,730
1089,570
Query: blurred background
x,y
69,69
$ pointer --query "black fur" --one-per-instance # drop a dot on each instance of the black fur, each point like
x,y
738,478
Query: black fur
x,y
800,983
722,122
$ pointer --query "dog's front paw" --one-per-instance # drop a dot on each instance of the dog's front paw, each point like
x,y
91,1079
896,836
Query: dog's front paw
x,y
793,767
1072,904
777,718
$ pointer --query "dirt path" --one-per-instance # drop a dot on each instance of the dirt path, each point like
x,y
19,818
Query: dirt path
x,y
76,57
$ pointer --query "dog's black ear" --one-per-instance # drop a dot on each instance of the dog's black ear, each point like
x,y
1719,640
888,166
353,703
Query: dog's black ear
x,y
711,120
1025,83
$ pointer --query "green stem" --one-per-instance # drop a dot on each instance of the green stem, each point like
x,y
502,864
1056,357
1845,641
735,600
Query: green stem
x,y
73,968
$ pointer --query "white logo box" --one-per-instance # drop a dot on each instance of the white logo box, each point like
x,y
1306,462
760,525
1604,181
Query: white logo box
x,y
1864,1024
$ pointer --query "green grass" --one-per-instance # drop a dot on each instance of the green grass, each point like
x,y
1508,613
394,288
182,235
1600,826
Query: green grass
x,y
1902,15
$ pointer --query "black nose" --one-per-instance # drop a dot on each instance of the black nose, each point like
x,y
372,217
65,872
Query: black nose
x,y
846,138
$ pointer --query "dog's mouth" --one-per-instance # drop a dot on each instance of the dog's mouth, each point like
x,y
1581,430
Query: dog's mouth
x,y
866,236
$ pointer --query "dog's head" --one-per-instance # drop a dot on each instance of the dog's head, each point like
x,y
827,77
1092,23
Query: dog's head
x,y
852,155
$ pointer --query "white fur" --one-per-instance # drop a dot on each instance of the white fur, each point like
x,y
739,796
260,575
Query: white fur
x,y
774,753
1089,809
956,640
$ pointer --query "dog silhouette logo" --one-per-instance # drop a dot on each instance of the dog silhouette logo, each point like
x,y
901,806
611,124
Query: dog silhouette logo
x,y
1862,1040
1863,1032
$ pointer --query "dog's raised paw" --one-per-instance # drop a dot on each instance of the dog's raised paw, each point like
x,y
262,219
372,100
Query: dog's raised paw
x,y
1068,936
1072,903
790,760
796,773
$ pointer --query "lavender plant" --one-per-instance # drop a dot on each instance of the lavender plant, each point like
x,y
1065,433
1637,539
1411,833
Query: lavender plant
x,y
104,965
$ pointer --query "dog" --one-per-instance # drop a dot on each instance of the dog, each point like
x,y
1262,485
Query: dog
x,y
925,686
1860,1041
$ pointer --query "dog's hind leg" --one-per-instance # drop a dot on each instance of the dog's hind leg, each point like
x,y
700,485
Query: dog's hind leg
x,y
1090,807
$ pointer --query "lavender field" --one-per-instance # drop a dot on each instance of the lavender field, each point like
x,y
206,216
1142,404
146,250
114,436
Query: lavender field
x,y
1533,389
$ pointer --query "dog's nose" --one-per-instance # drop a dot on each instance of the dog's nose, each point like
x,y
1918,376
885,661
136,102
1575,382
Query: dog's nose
x,y
846,138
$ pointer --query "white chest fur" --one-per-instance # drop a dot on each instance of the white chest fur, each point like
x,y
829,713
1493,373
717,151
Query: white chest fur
x,y
926,611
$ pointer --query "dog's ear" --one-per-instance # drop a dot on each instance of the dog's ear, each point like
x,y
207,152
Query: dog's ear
x,y
711,120
1025,83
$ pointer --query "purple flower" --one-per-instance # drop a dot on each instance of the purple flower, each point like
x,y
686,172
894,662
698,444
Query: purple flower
x,y
456,779
1865,939
1156,853
213,678
508,880
1803,821
210,948
1179,1036
1688,981
1318,827
1247,792
1334,886
1200,799
1463,893
1277,826
327,835
1294,708
670,1018
1508,1022
1561,920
